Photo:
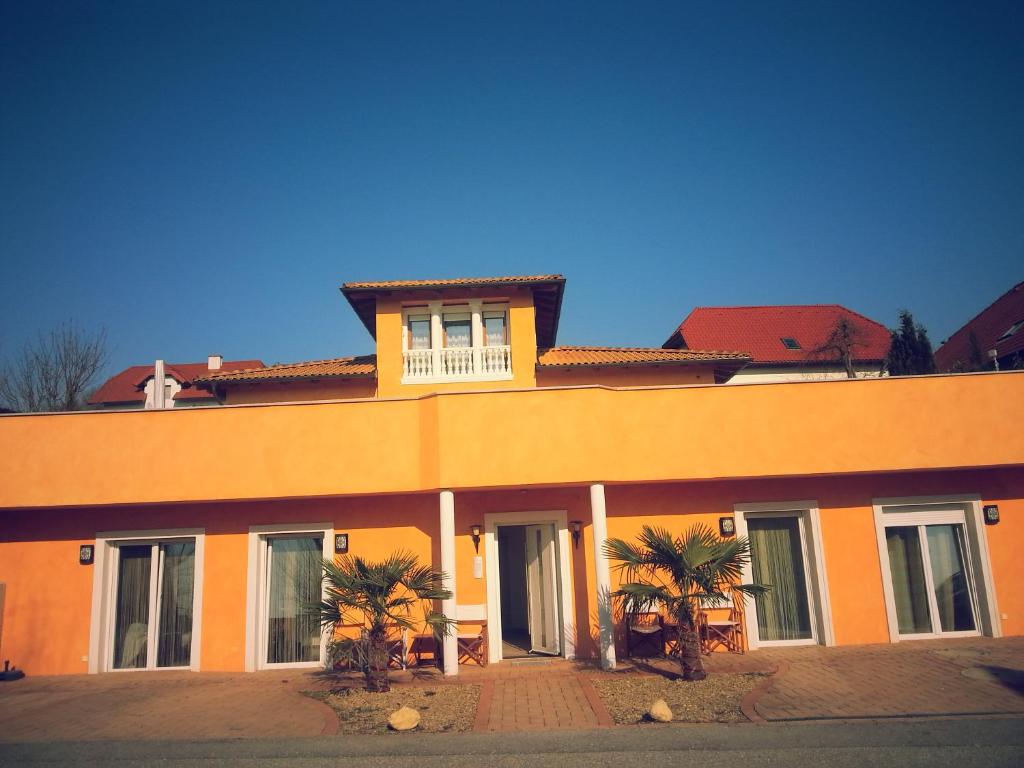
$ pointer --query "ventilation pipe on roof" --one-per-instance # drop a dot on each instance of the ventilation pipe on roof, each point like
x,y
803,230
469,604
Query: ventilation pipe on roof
x,y
214,362
159,384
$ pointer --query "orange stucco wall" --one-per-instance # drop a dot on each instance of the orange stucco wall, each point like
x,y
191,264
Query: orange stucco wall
x,y
46,636
532,437
611,376
522,338
301,391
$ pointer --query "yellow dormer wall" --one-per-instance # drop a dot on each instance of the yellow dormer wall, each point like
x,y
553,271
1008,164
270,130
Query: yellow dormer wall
x,y
522,337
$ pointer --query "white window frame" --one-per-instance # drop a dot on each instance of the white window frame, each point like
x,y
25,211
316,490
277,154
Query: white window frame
x,y
956,509
104,594
567,627
437,310
819,604
256,592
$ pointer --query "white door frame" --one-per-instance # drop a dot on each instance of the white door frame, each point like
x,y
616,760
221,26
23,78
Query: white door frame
x,y
104,597
557,518
256,593
818,603
925,510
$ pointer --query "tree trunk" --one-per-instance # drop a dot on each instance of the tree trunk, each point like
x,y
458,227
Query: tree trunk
x,y
377,661
689,652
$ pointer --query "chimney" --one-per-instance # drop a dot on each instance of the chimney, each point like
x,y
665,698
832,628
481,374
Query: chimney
x,y
158,384
214,362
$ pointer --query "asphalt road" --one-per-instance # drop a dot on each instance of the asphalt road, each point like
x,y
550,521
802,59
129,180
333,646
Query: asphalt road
x,y
960,742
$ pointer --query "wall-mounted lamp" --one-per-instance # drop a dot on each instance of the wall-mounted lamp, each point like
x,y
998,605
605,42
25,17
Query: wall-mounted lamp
x,y
341,543
991,512
727,526
576,527
475,529
85,554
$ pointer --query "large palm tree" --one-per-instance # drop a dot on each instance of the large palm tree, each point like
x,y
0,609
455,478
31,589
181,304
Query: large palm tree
x,y
681,573
377,595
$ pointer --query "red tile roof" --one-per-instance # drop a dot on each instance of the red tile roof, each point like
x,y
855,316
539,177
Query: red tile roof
x,y
565,357
339,367
988,326
759,332
126,386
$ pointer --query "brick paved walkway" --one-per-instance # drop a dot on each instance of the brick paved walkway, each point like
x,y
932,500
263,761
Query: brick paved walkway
x,y
975,676
162,705
540,702
925,677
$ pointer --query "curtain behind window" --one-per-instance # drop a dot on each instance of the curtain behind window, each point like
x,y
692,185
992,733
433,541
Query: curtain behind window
x,y
908,586
174,648
777,561
952,587
295,581
131,625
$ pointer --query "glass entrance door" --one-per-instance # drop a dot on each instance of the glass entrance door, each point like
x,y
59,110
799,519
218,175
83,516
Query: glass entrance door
x,y
155,585
932,587
777,559
541,589
294,582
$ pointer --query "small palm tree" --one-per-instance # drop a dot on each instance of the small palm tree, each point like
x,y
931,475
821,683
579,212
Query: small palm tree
x,y
680,573
376,595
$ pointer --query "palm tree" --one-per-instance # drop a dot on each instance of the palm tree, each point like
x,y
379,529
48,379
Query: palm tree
x,y
378,595
681,573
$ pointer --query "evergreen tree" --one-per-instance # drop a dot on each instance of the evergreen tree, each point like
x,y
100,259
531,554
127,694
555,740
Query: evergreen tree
x,y
910,351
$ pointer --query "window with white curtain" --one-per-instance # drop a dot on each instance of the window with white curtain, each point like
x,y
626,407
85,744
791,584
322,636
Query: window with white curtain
x,y
153,604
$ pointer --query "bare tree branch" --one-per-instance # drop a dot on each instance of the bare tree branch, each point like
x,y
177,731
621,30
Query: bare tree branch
x,y
54,372
839,345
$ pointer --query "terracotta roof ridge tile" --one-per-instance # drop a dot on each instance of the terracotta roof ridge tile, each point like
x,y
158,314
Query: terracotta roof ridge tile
x,y
365,359
454,281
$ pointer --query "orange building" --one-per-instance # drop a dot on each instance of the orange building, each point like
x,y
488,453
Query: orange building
x,y
879,509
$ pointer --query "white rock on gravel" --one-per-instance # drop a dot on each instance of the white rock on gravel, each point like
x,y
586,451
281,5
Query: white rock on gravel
x,y
404,719
659,712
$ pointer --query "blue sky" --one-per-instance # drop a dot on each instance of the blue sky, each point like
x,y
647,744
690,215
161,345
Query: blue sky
x,y
201,178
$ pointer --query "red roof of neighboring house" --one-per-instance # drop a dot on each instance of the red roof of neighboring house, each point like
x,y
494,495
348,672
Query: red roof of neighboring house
x,y
127,386
335,368
993,327
759,331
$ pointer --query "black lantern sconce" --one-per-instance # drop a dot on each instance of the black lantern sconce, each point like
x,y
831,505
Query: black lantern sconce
x,y
576,527
727,526
85,554
341,543
991,513
475,529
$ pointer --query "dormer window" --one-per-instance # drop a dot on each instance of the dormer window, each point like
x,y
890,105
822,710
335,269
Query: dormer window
x,y
456,342
418,331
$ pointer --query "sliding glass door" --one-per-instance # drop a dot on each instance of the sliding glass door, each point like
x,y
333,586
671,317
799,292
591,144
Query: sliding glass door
x,y
153,605
294,580
932,588
777,559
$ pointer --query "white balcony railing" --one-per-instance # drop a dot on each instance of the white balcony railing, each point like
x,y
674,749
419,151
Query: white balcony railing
x,y
456,363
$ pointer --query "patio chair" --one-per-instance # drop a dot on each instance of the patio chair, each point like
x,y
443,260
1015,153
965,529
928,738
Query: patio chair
x,y
398,646
472,645
645,636
720,623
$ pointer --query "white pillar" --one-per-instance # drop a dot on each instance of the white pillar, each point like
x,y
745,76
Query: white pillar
x,y
603,577
451,648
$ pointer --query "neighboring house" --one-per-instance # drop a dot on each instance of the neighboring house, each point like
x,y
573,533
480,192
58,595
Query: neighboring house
x,y
786,343
878,510
134,387
466,334
993,337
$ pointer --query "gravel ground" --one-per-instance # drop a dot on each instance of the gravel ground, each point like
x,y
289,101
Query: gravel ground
x,y
448,708
713,700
